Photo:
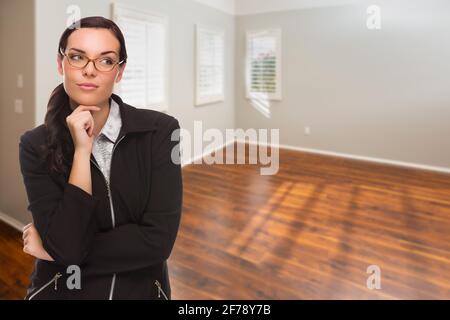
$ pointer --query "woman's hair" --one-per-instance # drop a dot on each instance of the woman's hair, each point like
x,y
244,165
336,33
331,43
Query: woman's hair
x,y
59,148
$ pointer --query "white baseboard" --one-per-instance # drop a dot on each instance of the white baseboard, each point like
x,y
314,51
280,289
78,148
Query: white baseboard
x,y
16,224
356,157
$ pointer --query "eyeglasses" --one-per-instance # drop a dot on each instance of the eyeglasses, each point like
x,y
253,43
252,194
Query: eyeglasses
x,y
80,61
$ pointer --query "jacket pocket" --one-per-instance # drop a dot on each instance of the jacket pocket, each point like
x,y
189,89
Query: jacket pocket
x,y
54,281
160,290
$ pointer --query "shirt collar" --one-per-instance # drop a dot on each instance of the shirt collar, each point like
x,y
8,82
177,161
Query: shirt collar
x,y
112,126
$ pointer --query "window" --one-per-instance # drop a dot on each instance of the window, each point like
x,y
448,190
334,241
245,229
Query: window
x,y
145,80
263,67
209,65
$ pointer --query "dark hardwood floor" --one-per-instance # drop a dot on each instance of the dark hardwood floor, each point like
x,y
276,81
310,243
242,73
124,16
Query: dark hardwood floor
x,y
15,265
309,232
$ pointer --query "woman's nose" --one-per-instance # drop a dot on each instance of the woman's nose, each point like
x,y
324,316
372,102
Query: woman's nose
x,y
89,69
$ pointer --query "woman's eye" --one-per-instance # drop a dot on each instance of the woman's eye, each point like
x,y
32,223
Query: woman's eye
x,y
106,61
76,57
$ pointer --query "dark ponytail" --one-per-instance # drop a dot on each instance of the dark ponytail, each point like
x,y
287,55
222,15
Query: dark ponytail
x,y
59,148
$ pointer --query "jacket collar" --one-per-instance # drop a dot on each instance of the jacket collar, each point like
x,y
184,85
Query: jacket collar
x,y
133,119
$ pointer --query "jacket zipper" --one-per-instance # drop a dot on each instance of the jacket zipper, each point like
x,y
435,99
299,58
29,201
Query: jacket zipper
x,y
160,290
54,279
113,218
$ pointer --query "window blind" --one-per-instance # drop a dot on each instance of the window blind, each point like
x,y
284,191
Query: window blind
x,y
264,64
144,82
210,65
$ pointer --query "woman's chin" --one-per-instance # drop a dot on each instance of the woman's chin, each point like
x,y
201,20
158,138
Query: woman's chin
x,y
87,99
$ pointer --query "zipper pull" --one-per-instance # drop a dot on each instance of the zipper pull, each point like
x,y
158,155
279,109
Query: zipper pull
x,y
159,288
57,276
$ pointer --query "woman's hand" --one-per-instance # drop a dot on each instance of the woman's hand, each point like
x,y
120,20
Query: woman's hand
x,y
32,243
81,127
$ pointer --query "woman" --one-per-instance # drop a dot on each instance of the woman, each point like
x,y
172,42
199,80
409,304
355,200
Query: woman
x,y
103,180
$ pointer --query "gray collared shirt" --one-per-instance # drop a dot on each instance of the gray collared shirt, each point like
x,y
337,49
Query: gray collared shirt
x,y
104,142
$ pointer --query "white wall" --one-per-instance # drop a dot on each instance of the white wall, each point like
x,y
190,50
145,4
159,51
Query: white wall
x,y
382,94
246,7
228,6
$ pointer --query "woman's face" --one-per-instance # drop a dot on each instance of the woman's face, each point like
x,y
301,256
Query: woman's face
x,y
91,43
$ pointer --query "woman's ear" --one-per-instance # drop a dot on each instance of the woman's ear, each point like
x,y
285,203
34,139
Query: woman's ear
x,y
59,62
120,73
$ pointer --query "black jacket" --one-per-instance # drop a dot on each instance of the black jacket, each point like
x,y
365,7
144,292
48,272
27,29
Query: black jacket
x,y
125,261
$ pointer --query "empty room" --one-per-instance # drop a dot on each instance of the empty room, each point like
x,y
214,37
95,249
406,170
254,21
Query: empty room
x,y
225,150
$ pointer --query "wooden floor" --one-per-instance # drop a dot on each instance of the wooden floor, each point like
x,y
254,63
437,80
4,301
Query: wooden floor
x,y
15,265
309,232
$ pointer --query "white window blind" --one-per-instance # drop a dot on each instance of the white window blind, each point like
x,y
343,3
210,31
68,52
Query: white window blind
x,y
145,80
263,67
209,64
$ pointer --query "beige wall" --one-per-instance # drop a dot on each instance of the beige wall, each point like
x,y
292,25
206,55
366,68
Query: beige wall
x,y
381,94
17,45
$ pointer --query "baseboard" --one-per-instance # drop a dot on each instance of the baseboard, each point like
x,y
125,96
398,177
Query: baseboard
x,y
16,224
356,157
